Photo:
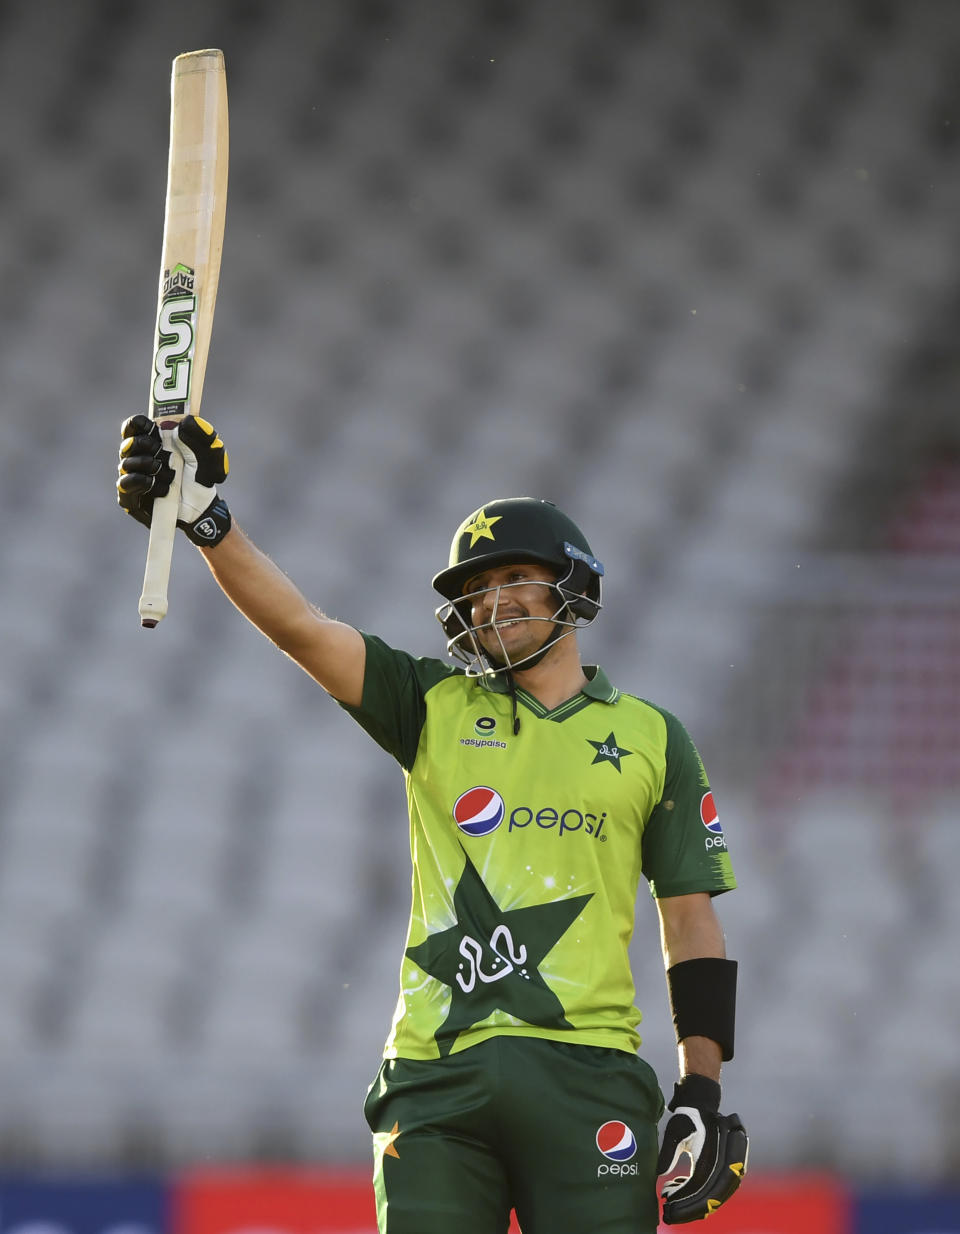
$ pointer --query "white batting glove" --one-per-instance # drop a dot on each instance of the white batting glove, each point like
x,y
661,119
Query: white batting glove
x,y
202,513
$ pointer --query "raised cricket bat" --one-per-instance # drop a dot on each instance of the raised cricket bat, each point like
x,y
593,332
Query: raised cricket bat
x,y
189,271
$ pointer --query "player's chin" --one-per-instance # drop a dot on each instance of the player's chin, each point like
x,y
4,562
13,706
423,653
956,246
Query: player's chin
x,y
514,643
498,643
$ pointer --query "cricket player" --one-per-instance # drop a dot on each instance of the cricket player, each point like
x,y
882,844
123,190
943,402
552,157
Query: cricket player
x,y
538,795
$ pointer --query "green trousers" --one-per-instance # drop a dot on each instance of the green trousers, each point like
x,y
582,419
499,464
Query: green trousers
x,y
565,1134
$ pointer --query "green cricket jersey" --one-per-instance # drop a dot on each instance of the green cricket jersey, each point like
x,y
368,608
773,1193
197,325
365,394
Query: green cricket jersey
x,y
528,849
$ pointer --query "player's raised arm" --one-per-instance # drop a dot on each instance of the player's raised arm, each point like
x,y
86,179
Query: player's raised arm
x,y
330,651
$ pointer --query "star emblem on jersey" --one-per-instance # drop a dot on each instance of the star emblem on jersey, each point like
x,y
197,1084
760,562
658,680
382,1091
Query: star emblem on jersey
x,y
490,958
386,1141
609,752
479,527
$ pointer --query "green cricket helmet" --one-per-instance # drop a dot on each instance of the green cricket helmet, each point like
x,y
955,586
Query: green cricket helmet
x,y
505,532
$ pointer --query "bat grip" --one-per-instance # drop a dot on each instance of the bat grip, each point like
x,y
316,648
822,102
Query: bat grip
x,y
163,531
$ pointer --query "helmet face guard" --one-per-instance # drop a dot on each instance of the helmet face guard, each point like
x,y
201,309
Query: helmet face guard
x,y
463,638
509,532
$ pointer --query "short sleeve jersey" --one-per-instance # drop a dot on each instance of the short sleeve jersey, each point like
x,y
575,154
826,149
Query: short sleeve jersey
x,y
528,848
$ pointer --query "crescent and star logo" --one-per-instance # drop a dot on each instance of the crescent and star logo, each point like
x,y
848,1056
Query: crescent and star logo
x,y
479,527
608,751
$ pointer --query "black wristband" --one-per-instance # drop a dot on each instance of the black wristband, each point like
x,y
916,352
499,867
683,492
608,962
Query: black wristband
x,y
698,1091
212,525
703,997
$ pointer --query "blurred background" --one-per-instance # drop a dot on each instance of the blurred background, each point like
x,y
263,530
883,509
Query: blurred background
x,y
689,269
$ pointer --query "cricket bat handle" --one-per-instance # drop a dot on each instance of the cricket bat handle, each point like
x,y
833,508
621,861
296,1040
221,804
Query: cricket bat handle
x,y
163,531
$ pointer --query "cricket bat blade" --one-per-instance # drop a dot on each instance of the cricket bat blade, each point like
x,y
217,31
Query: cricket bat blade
x,y
193,226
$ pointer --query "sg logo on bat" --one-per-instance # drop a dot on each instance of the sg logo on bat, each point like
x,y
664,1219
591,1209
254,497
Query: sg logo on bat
x,y
175,334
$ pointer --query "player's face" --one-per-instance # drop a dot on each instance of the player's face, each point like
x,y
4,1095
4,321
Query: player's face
x,y
513,609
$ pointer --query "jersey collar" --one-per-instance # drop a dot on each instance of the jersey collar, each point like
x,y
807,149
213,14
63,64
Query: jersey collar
x,y
598,684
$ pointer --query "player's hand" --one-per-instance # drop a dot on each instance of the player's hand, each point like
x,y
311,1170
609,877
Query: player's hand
x,y
144,469
203,514
717,1146
146,474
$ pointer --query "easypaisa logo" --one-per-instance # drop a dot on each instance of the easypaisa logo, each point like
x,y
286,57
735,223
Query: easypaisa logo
x,y
484,739
481,810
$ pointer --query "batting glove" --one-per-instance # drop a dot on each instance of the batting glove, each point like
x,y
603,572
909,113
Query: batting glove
x,y
145,474
717,1146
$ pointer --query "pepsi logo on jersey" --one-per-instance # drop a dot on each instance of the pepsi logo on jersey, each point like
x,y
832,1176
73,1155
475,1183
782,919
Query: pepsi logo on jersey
x,y
480,811
618,1144
711,820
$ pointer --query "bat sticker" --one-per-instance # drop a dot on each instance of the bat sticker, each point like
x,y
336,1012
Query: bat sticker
x,y
176,331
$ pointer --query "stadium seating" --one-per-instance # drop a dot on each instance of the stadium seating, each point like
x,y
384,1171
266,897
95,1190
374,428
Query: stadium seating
x,y
665,264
